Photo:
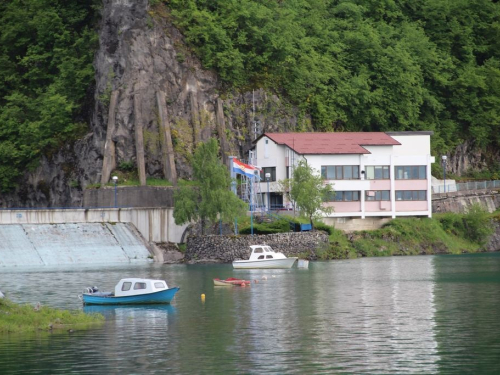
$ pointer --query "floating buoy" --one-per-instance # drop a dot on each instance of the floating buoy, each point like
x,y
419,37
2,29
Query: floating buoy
x,y
202,297
264,277
274,276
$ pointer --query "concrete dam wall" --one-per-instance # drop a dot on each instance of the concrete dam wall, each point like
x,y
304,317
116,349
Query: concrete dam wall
x,y
77,243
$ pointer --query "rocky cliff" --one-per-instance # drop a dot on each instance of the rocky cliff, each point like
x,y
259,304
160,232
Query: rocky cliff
x,y
151,103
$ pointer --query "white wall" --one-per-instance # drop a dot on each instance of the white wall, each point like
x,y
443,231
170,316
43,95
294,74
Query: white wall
x,y
412,144
155,224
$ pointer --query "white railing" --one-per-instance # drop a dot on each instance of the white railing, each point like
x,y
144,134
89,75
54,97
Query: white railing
x,y
465,186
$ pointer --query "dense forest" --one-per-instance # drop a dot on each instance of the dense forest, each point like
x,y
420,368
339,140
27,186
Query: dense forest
x,y
352,65
361,65
46,52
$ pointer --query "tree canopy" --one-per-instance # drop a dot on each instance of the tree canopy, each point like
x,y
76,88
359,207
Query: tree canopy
x,y
210,197
46,55
309,191
361,65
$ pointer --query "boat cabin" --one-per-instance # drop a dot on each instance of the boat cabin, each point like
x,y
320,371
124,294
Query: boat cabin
x,y
134,286
263,252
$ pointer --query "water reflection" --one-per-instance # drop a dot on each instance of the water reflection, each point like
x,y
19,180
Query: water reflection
x,y
381,315
129,311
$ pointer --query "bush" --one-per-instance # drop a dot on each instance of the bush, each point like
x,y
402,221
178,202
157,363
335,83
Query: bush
x,y
259,229
477,225
322,226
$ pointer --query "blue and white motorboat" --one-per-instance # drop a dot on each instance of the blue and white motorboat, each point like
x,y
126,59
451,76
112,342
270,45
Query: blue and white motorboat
x,y
131,291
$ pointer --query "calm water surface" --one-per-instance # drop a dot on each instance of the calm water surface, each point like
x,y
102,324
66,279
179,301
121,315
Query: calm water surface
x,y
401,315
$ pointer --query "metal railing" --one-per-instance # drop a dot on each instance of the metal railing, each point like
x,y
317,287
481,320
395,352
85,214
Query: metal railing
x,y
465,186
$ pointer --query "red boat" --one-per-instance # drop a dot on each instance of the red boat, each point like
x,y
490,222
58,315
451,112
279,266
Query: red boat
x,y
231,281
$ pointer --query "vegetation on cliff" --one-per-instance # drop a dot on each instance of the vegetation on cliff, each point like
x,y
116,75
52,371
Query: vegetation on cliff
x,y
209,197
361,65
15,318
46,53
354,65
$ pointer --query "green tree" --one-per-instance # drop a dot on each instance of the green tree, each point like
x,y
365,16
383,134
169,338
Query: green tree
x,y
477,223
309,191
46,54
361,65
210,197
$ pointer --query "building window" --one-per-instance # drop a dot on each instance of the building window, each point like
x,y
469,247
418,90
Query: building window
x,y
377,172
271,171
411,195
343,196
340,172
377,195
287,172
411,172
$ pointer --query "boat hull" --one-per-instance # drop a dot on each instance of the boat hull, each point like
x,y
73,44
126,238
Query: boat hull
x,y
230,282
265,263
163,296
222,283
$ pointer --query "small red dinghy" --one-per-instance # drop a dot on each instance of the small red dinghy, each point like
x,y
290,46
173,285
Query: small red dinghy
x,y
231,281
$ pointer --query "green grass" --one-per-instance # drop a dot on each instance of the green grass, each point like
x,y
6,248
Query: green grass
x,y
15,318
448,233
408,236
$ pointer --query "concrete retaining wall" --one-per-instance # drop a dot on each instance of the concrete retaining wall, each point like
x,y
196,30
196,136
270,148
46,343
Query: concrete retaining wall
x,y
459,202
348,224
154,224
79,243
225,249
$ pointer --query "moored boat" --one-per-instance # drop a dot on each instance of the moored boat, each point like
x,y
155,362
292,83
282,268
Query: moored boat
x,y
131,291
263,256
231,281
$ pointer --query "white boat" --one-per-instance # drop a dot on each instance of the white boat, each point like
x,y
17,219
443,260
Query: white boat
x,y
263,256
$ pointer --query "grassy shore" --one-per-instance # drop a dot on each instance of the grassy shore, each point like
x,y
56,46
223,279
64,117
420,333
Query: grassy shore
x,y
447,233
15,318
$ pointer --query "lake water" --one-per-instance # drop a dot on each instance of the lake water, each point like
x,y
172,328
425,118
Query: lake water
x,y
401,315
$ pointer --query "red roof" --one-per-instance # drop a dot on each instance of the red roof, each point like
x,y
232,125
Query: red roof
x,y
332,143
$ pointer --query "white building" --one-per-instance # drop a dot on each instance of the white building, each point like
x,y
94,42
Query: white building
x,y
374,175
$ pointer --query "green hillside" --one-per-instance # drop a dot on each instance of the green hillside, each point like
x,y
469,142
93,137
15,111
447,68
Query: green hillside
x,y
361,65
46,53
353,65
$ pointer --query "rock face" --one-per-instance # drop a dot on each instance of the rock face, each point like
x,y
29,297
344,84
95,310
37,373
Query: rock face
x,y
467,157
152,103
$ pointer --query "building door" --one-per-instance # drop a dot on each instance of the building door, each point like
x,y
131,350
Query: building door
x,y
276,201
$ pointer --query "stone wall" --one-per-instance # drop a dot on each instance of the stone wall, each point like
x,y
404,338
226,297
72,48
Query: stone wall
x,y
459,202
225,249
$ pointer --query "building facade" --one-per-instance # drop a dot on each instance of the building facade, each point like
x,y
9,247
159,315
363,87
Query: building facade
x,y
383,175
